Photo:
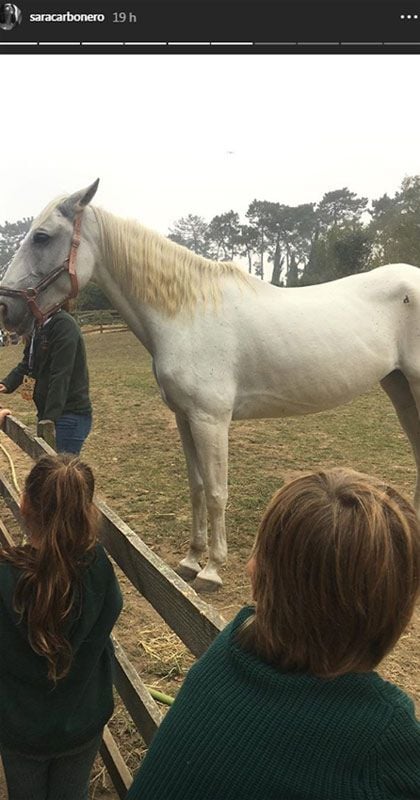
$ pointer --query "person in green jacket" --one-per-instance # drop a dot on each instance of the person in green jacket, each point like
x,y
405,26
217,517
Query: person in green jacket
x,y
285,704
59,600
54,361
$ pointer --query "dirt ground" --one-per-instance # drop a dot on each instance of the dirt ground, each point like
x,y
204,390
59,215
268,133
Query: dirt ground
x,y
137,458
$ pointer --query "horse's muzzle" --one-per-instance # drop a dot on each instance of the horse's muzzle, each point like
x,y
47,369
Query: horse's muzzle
x,y
14,315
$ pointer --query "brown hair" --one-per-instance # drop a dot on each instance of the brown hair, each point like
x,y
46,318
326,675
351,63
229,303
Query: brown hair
x,y
336,574
63,523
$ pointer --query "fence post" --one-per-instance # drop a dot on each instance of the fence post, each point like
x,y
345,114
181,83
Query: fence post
x,y
46,430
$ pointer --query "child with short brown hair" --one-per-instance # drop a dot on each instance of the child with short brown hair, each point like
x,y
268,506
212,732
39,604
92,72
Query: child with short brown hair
x,y
285,704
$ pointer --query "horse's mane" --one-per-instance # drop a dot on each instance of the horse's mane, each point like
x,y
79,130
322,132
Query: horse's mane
x,y
158,271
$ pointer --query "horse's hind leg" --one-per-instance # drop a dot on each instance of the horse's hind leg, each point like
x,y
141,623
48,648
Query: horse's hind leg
x,y
405,397
190,566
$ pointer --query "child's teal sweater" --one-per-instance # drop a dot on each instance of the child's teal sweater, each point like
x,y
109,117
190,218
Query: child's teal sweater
x,y
241,730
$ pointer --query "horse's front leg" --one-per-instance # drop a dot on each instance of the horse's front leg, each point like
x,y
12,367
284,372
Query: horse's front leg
x,y
190,566
210,437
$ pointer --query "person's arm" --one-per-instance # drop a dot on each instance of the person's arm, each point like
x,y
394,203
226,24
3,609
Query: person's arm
x,y
63,347
15,377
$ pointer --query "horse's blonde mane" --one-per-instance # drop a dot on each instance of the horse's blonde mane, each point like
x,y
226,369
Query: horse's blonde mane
x,y
156,270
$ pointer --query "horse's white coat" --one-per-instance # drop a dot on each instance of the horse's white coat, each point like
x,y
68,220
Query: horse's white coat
x,y
260,351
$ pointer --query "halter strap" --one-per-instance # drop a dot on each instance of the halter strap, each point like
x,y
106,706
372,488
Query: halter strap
x,y
30,294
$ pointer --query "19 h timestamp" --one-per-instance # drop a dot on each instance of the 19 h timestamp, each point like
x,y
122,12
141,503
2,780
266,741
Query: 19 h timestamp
x,y
124,16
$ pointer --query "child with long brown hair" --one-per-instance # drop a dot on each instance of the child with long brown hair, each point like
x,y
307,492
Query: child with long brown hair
x,y
285,704
59,600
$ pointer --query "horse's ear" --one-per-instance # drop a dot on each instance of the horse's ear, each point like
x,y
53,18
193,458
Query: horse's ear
x,y
76,202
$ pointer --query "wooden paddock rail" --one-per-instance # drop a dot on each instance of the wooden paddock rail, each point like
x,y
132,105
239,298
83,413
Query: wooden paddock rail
x,y
106,320
95,316
193,620
104,328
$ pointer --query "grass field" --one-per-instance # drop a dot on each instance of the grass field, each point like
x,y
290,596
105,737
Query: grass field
x,y
135,451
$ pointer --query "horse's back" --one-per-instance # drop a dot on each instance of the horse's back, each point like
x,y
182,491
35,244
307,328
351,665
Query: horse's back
x,y
388,276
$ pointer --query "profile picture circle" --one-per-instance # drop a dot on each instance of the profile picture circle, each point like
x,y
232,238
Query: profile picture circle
x,y
10,16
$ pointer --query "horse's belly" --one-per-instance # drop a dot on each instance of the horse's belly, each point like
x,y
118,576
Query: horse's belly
x,y
317,392
265,406
311,369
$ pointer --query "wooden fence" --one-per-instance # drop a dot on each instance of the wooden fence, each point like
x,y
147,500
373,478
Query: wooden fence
x,y
100,321
193,620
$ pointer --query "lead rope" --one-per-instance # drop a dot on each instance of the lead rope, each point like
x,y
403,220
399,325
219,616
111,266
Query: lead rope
x,y
14,479
12,467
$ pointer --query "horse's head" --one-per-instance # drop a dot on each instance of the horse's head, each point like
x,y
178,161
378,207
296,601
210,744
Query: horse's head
x,y
55,259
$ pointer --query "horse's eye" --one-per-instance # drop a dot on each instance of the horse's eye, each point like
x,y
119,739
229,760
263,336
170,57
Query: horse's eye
x,y
40,237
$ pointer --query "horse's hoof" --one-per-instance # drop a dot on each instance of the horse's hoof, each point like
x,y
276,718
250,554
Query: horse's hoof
x,y
186,573
204,586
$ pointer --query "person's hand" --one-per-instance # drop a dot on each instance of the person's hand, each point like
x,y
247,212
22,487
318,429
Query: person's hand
x,y
4,412
3,388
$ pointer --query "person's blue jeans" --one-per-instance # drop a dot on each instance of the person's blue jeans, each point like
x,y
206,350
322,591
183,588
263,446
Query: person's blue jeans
x,y
60,777
71,430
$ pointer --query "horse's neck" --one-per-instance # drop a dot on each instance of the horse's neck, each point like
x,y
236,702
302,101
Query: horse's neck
x,y
143,291
137,319
153,281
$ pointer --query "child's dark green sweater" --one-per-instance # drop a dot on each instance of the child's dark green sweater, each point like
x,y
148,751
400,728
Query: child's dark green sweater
x,y
241,730
35,716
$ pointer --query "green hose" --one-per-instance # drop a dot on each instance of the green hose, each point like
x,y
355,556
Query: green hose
x,y
160,696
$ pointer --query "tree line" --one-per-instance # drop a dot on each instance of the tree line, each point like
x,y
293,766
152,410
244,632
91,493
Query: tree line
x,y
289,245
312,242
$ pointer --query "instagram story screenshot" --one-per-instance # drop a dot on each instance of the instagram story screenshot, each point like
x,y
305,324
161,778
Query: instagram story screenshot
x,y
209,400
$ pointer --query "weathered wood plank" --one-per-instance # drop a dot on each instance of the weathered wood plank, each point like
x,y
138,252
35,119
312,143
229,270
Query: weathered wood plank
x,y
119,773
19,433
193,620
46,430
136,698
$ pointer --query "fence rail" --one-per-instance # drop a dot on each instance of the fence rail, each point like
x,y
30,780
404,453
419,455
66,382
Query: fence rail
x,y
194,621
100,321
107,329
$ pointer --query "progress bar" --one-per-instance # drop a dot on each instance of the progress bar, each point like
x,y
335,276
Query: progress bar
x,y
209,44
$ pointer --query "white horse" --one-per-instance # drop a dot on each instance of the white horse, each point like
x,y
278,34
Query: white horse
x,y
225,345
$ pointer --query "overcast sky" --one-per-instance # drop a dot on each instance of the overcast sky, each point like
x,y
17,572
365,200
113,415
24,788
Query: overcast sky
x,y
170,135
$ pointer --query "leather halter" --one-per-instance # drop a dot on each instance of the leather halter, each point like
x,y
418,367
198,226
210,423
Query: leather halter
x,y
30,295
